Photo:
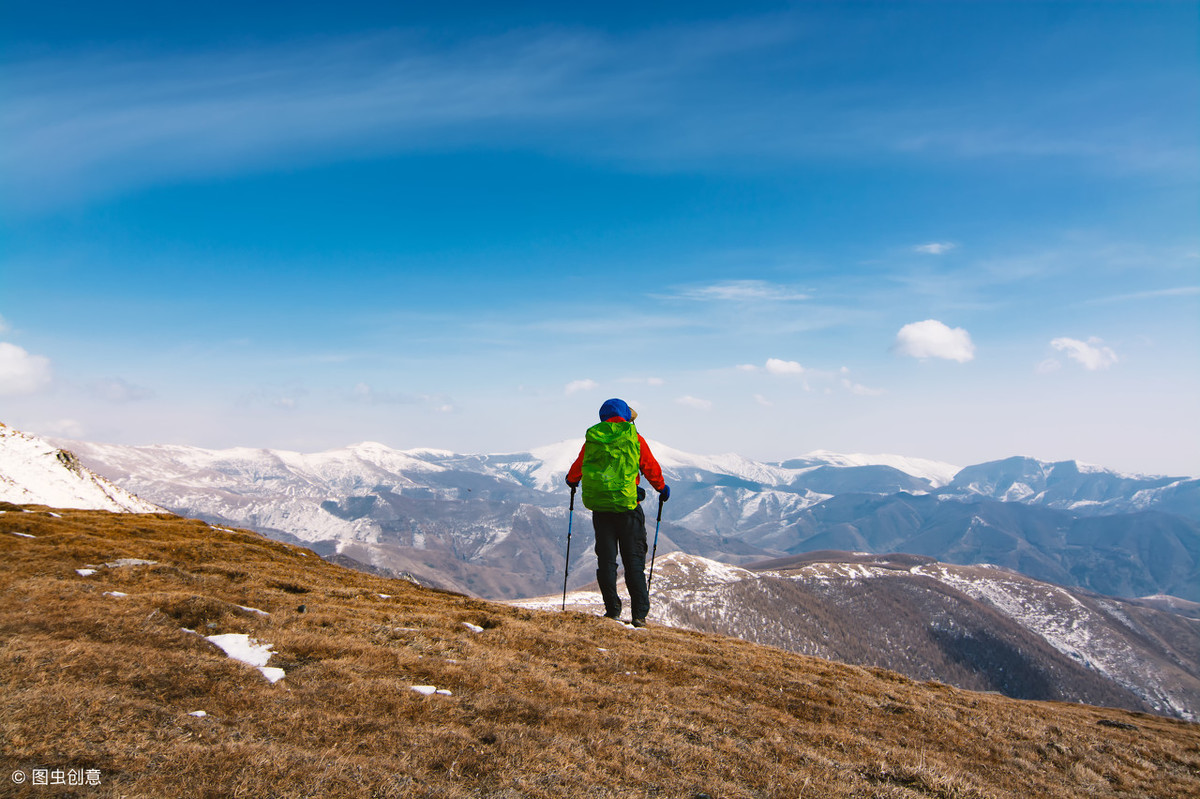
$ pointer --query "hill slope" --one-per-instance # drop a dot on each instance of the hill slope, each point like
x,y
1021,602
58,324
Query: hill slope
x,y
34,471
974,627
102,678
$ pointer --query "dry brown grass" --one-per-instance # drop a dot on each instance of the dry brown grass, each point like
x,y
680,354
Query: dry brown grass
x,y
543,704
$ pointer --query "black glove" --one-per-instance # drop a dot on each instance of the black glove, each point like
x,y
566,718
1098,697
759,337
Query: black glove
x,y
641,493
573,485
665,494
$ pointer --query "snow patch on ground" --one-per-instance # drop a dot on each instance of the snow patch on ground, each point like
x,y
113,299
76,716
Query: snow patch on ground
x,y
240,646
430,690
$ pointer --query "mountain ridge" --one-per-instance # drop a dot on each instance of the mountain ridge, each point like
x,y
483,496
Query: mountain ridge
x,y
33,470
976,627
472,522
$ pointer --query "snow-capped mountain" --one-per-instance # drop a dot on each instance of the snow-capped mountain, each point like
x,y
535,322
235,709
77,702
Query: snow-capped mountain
x,y
977,627
1068,485
35,472
494,525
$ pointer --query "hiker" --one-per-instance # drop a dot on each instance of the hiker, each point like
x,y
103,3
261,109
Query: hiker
x,y
613,457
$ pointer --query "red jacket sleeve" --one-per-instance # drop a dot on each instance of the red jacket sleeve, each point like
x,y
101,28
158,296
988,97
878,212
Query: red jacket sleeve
x,y
575,473
649,465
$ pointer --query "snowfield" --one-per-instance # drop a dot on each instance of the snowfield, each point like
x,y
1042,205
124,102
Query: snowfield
x,y
34,472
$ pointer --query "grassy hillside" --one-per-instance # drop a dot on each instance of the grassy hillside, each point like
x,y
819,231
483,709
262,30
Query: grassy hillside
x,y
98,673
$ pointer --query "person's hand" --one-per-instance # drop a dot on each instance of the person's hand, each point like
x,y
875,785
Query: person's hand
x,y
573,485
641,493
665,494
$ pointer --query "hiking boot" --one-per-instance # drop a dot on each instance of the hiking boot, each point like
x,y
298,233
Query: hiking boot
x,y
639,622
615,615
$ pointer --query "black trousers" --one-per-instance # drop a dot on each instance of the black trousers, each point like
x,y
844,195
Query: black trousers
x,y
623,532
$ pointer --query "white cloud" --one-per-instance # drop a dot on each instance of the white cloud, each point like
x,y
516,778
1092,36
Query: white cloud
x,y
763,401
932,339
777,366
20,372
4,328
935,248
1091,354
580,385
695,402
746,367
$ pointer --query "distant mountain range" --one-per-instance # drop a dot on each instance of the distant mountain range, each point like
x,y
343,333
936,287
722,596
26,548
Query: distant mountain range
x,y
495,525
975,627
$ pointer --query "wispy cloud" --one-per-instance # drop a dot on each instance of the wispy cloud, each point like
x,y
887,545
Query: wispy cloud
x,y
934,339
116,389
366,393
1157,294
935,248
858,389
69,428
694,402
775,366
575,386
102,122
288,399
1091,354
742,291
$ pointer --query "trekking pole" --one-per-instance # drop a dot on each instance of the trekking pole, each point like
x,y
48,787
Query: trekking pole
x,y
657,522
567,568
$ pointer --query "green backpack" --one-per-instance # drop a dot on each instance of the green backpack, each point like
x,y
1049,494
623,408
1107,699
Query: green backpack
x,y
611,459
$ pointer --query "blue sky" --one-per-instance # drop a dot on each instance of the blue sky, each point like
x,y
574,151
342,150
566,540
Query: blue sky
x,y
959,231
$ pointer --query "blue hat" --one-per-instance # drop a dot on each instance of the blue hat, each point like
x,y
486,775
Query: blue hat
x,y
615,407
